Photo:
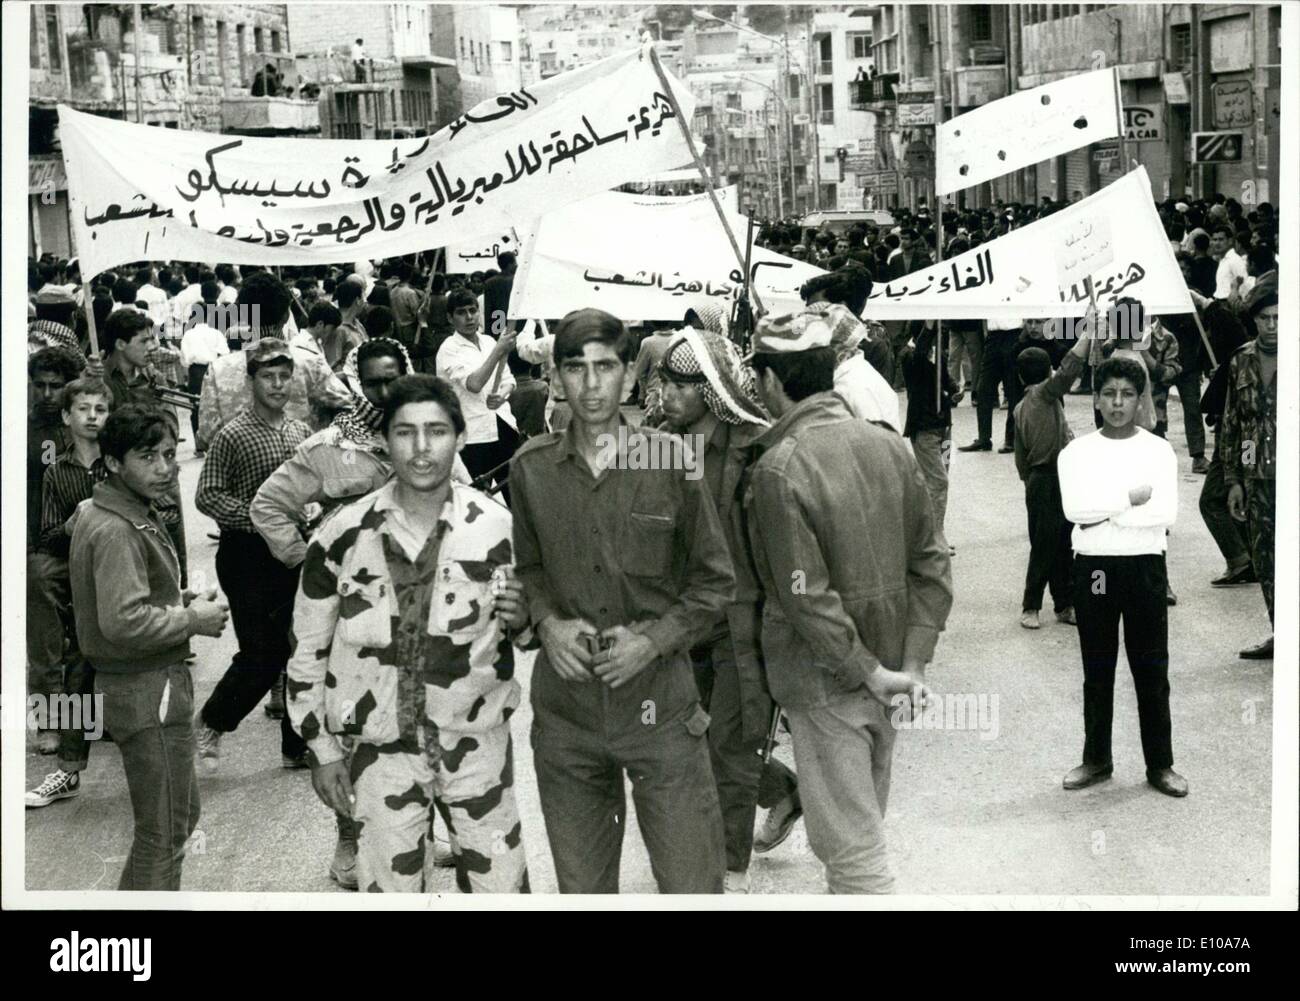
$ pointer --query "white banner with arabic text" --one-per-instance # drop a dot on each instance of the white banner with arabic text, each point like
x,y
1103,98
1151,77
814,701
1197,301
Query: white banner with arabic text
x,y
142,193
644,257
1113,238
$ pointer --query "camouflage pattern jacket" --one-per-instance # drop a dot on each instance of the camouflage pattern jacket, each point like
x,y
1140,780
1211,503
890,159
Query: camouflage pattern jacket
x,y
1248,434
343,682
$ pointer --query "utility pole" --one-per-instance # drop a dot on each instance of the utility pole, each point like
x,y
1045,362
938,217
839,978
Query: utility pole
x,y
137,27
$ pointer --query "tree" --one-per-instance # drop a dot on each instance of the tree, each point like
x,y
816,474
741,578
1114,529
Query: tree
x,y
770,19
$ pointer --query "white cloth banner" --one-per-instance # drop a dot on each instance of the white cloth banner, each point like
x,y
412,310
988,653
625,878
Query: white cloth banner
x,y
1113,237
1026,128
466,258
644,257
148,193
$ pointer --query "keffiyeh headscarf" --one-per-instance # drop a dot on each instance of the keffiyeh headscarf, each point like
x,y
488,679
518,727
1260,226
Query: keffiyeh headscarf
x,y
361,422
714,363
847,330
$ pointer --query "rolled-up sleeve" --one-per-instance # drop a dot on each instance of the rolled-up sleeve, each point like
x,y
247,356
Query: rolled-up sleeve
x,y
277,507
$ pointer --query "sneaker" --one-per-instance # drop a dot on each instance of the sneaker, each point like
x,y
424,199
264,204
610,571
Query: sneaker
x,y
1066,616
736,882
275,704
777,825
443,856
57,785
47,742
343,868
207,743
295,761
1029,619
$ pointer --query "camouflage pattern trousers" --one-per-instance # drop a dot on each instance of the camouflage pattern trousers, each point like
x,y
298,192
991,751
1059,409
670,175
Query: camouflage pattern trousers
x,y
1261,511
472,787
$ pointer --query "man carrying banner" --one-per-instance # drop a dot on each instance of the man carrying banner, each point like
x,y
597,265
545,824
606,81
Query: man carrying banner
x,y
625,569
857,588
709,398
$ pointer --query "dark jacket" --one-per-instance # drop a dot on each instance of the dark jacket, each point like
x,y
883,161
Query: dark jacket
x,y
918,376
126,586
842,533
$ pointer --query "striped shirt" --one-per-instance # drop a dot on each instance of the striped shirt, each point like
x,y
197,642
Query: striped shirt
x,y
66,484
241,457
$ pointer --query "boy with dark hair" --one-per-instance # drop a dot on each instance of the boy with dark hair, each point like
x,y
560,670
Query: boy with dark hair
x,y
857,588
1119,486
71,480
625,569
259,587
1041,431
402,682
49,370
134,624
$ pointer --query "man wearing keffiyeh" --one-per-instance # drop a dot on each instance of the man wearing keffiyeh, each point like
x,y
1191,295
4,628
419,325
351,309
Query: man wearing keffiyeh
x,y
709,397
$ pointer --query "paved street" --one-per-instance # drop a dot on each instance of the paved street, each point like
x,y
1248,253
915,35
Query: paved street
x,y
966,814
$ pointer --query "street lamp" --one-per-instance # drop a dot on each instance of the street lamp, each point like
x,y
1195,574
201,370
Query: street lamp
x,y
784,42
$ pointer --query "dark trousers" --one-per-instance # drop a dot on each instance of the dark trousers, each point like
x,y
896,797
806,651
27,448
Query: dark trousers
x,y
79,683
580,782
997,365
150,714
482,458
1132,588
1049,541
195,386
1189,395
260,590
733,753
1229,534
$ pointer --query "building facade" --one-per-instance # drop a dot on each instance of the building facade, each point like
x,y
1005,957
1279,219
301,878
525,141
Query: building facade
x,y
1183,69
842,62
197,66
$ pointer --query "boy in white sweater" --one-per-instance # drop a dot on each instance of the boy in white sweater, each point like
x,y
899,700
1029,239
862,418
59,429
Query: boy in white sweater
x,y
1119,486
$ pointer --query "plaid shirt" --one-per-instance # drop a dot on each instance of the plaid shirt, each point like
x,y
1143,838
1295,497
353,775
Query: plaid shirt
x,y
66,484
243,454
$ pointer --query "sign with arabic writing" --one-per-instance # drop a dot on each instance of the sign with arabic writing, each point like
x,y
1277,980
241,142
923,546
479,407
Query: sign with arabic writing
x,y
146,193
1234,104
1026,128
644,258
466,258
1017,276
915,114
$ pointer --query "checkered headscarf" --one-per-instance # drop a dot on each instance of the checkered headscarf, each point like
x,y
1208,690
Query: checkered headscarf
x,y
360,423
726,382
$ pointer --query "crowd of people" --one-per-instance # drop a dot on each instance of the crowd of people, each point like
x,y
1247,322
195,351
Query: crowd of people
x,y
410,489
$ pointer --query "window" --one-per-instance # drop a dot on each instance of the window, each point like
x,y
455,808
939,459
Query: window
x,y
198,33
34,42
1180,46
52,38
257,40
462,46
859,45
981,23
239,47
223,51
275,41
507,53
794,86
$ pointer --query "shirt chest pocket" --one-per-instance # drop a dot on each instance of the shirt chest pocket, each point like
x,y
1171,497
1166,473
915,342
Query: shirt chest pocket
x,y
365,612
461,606
648,546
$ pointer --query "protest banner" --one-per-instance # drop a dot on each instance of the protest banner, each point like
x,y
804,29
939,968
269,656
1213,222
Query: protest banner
x,y
138,192
466,258
1021,274
1026,128
644,258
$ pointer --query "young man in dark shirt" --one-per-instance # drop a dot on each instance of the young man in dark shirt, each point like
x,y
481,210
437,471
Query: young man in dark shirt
x,y
625,568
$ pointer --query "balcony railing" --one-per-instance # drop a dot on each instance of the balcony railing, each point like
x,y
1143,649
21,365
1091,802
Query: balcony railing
x,y
866,95
825,67
826,116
